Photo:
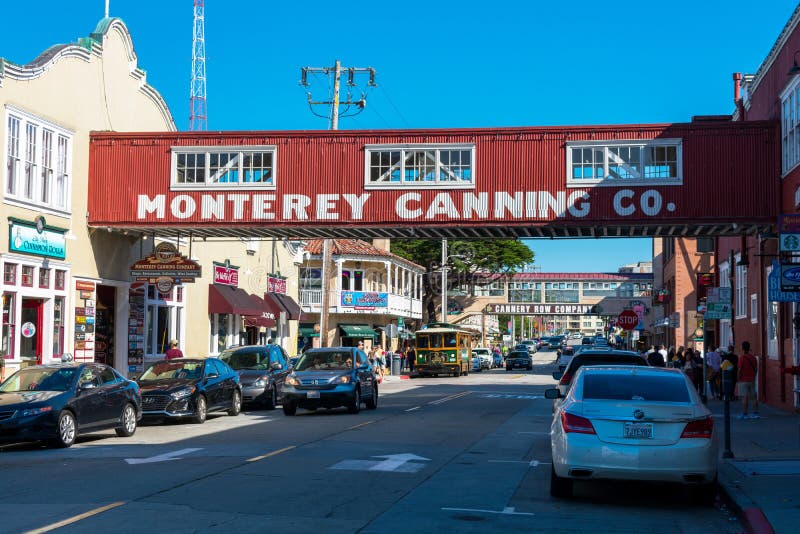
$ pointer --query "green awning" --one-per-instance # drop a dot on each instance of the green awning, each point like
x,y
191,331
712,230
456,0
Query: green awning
x,y
357,330
307,331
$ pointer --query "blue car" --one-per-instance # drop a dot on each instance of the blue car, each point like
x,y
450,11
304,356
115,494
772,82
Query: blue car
x,y
330,378
57,402
497,360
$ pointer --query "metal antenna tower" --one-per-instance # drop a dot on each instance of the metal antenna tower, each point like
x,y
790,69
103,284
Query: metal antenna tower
x,y
198,119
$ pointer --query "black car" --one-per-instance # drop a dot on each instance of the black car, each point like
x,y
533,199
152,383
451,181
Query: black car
x,y
595,356
57,402
262,371
520,359
189,388
331,377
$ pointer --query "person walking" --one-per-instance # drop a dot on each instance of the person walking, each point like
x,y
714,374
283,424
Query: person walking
x,y
173,351
655,359
748,370
734,359
713,362
687,366
678,360
411,358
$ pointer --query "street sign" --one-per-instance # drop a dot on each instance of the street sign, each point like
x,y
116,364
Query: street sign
x,y
719,294
774,287
718,310
628,320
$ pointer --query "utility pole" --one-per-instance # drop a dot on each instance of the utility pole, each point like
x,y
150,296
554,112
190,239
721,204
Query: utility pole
x,y
444,280
335,103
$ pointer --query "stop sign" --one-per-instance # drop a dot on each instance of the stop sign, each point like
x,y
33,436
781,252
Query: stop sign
x,y
628,320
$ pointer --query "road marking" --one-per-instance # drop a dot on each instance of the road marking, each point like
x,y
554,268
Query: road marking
x,y
273,453
391,463
451,397
508,510
510,396
166,457
360,425
414,408
536,433
75,519
508,462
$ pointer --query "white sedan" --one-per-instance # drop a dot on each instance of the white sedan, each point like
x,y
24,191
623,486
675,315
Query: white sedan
x,y
632,423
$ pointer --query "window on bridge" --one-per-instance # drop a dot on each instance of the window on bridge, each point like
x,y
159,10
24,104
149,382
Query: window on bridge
x,y
420,165
656,161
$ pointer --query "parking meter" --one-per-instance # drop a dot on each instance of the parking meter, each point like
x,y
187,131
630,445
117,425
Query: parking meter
x,y
727,384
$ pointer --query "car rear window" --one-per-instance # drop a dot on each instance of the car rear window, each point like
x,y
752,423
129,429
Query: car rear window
x,y
606,359
615,386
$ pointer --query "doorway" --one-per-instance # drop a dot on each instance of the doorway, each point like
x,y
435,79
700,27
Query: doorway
x,y
104,325
31,331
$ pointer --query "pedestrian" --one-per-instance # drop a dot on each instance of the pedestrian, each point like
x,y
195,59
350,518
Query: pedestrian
x,y
748,369
411,358
2,367
713,362
734,359
697,370
173,351
655,359
663,352
403,351
269,341
687,365
677,360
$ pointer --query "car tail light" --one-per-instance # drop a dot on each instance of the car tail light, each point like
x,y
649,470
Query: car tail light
x,y
701,428
575,423
566,378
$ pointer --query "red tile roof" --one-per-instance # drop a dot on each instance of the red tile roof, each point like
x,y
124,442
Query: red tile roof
x,y
548,277
355,247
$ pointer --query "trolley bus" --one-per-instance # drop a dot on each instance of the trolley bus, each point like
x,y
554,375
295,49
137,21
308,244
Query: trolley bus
x,y
443,348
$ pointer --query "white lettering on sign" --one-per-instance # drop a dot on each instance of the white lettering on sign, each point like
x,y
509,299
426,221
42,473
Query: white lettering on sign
x,y
502,205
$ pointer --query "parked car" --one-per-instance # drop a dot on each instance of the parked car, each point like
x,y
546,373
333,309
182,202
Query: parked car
x,y
632,423
519,359
476,364
262,372
566,356
531,346
595,357
329,378
485,355
190,388
576,335
59,402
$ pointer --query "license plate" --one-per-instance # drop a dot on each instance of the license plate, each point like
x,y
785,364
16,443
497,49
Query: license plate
x,y
638,430
312,394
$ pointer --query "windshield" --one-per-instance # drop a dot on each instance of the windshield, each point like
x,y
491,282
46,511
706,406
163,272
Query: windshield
x,y
40,379
325,361
172,369
245,360
615,386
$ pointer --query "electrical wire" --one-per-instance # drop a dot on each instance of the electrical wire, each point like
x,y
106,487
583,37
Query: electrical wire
x,y
389,98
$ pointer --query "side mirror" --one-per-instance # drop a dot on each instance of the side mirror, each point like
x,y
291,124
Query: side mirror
x,y
275,366
212,375
553,394
87,385
558,374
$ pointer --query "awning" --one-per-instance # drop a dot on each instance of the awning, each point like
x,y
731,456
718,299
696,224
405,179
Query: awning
x,y
268,317
307,331
285,303
229,299
254,320
357,330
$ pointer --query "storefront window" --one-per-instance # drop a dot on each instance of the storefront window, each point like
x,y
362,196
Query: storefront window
x,y
162,320
7,333
27,275
10,274
61,277
223,331
44,277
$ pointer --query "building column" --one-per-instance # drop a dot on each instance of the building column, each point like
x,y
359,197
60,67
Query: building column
x,y
388,276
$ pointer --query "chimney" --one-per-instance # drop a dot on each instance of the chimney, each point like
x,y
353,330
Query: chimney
x,y
382,244
737,94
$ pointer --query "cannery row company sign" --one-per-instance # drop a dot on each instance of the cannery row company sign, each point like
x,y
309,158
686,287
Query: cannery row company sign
x,y
37,238
538,309
386,181
165,267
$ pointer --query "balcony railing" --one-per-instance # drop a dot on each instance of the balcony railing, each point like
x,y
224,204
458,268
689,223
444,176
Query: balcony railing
x,y
311,301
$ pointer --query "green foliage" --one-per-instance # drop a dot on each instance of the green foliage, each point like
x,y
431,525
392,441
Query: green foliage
x,y
497,256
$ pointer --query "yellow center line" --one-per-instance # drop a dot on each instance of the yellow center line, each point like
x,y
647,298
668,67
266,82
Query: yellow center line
x,y
362,424
273,453
75,519
451,397
516,377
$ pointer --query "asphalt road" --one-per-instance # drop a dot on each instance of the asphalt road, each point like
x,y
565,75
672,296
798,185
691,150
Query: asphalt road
x,y
467,454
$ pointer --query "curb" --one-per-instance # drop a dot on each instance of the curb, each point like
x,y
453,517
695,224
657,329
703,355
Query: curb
x,y
749,513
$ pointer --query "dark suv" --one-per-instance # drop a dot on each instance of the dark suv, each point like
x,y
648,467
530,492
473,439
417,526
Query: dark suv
x,y
519,358
595,357
262,370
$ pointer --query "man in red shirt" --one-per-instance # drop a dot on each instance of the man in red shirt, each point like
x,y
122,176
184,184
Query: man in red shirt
x,y
748,369
173,351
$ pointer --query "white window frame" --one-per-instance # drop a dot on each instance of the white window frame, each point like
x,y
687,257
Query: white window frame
x,y
175,309
605,145
790,126
57,164
753,308
207,151
741,289
421,184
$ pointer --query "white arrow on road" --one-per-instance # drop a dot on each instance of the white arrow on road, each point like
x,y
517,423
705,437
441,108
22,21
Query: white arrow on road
x,y
393,461
166,457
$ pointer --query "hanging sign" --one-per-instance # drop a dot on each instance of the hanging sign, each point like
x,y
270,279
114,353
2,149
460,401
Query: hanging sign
x,y
775,294
363,299
37,238
789,232
276,284
165,261
226,274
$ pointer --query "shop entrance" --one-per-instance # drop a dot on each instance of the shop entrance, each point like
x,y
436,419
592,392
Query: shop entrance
x,y
30,349
104,325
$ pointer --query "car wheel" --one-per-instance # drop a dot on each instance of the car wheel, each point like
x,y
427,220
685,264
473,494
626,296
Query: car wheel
x,y
355,406
236,404
200,411
372,402
67,430
509,368
457,372
273,398
560,488
289,408
530,368
128,420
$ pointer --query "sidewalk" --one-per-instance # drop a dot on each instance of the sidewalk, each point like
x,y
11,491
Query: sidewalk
x,y
763,478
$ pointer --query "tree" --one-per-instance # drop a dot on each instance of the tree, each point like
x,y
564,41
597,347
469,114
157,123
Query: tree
x,y
471,263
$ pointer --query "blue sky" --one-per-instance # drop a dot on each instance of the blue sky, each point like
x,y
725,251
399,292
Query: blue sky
x,y
439,64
